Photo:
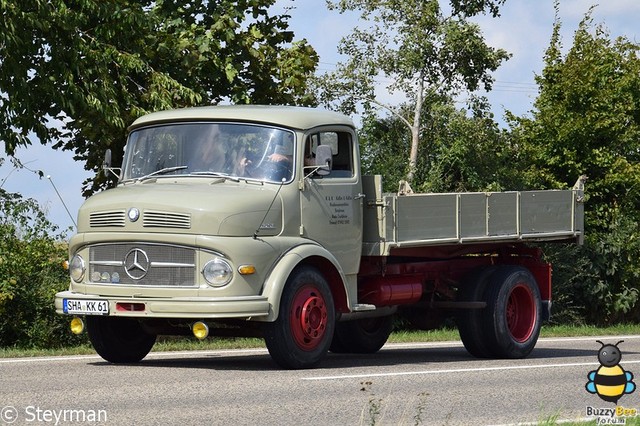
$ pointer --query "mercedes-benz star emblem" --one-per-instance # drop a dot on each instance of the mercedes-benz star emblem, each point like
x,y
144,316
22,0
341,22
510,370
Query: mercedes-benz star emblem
x,y
136,263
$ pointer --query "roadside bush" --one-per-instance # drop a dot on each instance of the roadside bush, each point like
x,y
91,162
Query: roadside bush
x,y
31,255
598,283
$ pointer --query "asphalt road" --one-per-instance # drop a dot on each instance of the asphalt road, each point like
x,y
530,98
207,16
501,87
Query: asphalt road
x,y
429,383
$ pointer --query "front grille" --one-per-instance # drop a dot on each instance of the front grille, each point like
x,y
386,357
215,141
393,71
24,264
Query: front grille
x,y
156,219
142,264
107,218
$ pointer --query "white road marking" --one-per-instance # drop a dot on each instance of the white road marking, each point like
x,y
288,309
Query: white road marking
x,y
463,370
592,338
220,352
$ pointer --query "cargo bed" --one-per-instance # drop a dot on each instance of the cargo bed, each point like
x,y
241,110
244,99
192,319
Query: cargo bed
x,y
415,220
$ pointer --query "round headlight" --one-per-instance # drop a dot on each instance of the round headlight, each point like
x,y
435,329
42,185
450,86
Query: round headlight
x,y
217,272
76,268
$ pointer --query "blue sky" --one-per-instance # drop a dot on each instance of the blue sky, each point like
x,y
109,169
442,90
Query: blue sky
x,y
523,30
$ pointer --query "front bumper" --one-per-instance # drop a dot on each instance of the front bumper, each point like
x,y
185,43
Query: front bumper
x,y
244,307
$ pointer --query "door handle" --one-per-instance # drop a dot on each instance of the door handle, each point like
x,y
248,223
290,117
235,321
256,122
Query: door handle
x,y
359,196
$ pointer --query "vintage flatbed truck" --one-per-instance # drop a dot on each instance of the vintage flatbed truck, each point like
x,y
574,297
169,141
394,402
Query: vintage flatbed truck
x,y
256,220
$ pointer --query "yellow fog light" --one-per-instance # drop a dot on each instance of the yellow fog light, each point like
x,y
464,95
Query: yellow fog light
x,y
200,330
246,269
77,325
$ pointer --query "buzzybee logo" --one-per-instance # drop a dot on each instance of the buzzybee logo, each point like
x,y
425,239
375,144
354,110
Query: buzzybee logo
x,y
610,381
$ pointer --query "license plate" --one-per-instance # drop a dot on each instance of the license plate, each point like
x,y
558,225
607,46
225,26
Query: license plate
x,y
85,307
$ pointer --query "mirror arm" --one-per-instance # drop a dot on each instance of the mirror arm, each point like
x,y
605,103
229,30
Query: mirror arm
x,y
113,171
314,169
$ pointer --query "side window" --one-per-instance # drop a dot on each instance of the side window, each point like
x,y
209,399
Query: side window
x,y
341,148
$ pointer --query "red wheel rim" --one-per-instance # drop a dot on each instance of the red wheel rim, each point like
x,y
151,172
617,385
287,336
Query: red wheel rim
x,y
308,318
521,313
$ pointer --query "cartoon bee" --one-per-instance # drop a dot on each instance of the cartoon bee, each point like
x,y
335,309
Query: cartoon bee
x,y
610,381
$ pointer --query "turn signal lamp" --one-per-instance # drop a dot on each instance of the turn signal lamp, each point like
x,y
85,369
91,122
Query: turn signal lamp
x,y
246,269
200,330
77,326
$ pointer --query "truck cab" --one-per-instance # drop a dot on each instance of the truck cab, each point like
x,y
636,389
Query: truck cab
x,y
214,209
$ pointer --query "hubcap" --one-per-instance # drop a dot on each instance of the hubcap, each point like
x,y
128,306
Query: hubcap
x,y
521,313
308,318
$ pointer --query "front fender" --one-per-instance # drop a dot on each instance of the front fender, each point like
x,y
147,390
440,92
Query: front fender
x,y
303,254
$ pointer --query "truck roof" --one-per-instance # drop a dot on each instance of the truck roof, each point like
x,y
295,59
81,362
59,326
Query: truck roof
x,y
287,116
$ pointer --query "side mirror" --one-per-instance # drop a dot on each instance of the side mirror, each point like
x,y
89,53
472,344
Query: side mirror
x,y
106,164
324,160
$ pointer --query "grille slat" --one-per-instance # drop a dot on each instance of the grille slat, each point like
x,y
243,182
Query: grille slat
x,y
107,218
163,265
157,219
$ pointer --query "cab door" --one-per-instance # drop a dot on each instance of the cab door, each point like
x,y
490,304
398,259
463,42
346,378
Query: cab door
x,y
331,205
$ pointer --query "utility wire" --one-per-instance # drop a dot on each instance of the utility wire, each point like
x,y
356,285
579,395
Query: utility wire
x,y
63,203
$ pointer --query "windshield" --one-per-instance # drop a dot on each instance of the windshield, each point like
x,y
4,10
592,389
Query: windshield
x,y
210,149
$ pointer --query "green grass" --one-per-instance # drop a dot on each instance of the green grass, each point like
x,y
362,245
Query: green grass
x,y
191,344
585,330
447,334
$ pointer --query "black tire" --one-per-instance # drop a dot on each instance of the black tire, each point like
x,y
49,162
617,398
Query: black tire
x,y
512,318
470,321
301,335
337,347
362,336
119,340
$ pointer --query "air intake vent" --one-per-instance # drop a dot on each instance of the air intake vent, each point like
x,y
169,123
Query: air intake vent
x,y
155,219
107,219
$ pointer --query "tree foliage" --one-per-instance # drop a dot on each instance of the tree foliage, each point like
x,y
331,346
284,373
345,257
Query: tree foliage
x,y
75,73
425,51
586,120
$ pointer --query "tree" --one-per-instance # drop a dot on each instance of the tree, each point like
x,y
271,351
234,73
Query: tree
x,y
75,73
426,52
586,120
469,152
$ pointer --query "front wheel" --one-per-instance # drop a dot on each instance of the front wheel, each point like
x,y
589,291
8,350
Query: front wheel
x,y
512,316
119,340
301,335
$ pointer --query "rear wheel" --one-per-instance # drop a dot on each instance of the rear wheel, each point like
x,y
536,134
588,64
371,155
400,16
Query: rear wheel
x,y
119,340
363,336
470,321
301,335
512,316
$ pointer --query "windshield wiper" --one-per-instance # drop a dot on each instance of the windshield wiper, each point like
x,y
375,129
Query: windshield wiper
x,y
217,174
161,172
